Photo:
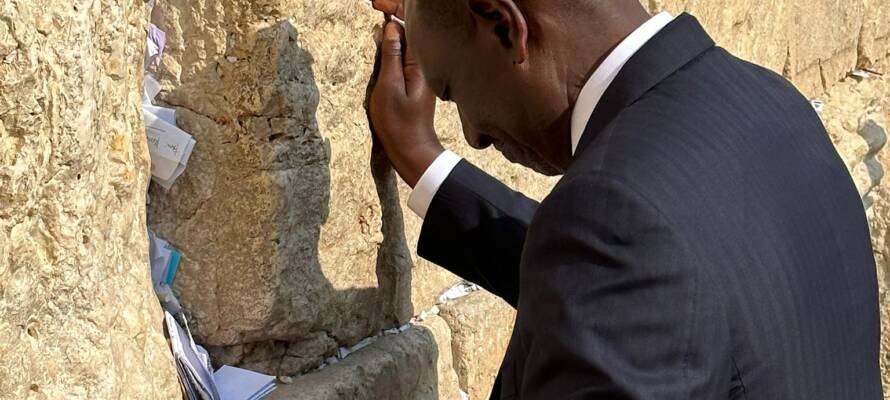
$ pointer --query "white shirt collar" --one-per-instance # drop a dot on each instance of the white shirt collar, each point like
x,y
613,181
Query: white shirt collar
x,y
596,86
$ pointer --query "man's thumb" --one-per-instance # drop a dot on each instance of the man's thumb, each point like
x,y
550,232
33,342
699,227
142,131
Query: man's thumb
x,y
415,83
391,55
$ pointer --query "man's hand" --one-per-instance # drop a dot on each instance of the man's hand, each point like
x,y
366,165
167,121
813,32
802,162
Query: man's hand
x,y
393,7
402,108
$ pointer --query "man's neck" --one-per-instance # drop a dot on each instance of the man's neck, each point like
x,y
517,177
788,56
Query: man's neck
x,y
591,43
578,40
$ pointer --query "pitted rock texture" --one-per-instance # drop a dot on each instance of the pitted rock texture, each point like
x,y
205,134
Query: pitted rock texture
x,y
861,110
855,117
78,318
481,325
813,43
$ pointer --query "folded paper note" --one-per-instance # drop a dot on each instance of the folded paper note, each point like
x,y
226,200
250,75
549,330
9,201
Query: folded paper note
x,y
154,47
241,384
152,88
169,146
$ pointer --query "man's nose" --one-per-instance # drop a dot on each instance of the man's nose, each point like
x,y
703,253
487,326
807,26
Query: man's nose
x,y
474,137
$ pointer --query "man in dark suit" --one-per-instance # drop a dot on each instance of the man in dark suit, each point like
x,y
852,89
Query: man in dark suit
x,y
705,240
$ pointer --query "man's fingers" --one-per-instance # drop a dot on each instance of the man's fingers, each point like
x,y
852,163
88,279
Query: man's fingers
x,y
391,69
393,7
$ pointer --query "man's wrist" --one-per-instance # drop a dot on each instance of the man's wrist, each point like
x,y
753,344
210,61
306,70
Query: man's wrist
x,y
412,166
435,175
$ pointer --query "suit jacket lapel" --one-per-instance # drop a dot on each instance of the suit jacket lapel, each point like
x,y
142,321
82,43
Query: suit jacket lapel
x,y
676,45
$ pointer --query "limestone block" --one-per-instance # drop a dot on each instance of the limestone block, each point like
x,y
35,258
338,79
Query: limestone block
x,y
874,106
415,364
874,41
289,224
481,325
814,43
78,318
854,117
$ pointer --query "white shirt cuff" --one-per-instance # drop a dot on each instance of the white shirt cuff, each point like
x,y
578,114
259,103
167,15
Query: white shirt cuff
x,y
429,183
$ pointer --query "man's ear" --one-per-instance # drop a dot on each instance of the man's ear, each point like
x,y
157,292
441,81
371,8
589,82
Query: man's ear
x,y
503,19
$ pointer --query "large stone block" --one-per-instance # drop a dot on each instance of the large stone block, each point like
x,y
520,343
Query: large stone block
x,y
481,325
415,364
78,318
865,106
874,41
813,43
291,227
854,117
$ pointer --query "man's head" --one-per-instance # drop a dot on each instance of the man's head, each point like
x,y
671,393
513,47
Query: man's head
x,y
515,67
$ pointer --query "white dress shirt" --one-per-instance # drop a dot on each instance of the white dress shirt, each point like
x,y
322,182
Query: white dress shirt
x,y
590,95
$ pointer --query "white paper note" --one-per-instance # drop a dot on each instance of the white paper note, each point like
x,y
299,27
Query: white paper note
x,y
167,115
152,87
241,384
197,379
168,183
169,147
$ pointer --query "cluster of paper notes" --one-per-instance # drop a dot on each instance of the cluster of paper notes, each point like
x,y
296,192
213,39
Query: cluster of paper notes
x,y
192,364
170,147
198,380
199,383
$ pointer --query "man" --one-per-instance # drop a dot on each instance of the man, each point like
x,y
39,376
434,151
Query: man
x,y
705,240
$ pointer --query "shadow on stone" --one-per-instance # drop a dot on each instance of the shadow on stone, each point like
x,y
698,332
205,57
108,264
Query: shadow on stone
x,y
248,213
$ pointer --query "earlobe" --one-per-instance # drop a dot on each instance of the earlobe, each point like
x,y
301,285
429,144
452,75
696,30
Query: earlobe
x,y
507,22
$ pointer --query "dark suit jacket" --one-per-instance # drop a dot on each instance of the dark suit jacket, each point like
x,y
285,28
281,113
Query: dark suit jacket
x,y
707,242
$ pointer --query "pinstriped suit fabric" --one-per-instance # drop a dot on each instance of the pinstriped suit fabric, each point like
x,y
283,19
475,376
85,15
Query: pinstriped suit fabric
x,y
706,243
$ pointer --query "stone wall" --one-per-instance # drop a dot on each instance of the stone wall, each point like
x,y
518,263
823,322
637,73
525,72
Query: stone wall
x,y
295,234
78,319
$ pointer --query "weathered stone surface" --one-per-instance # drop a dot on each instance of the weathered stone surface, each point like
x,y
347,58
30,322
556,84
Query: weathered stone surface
x,y
854,118
285,230
292,246
481,325
814,43
874,41
865,107
78,319
415,364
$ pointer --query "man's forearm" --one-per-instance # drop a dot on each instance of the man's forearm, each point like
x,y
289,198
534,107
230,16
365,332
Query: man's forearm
x,y
475,226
